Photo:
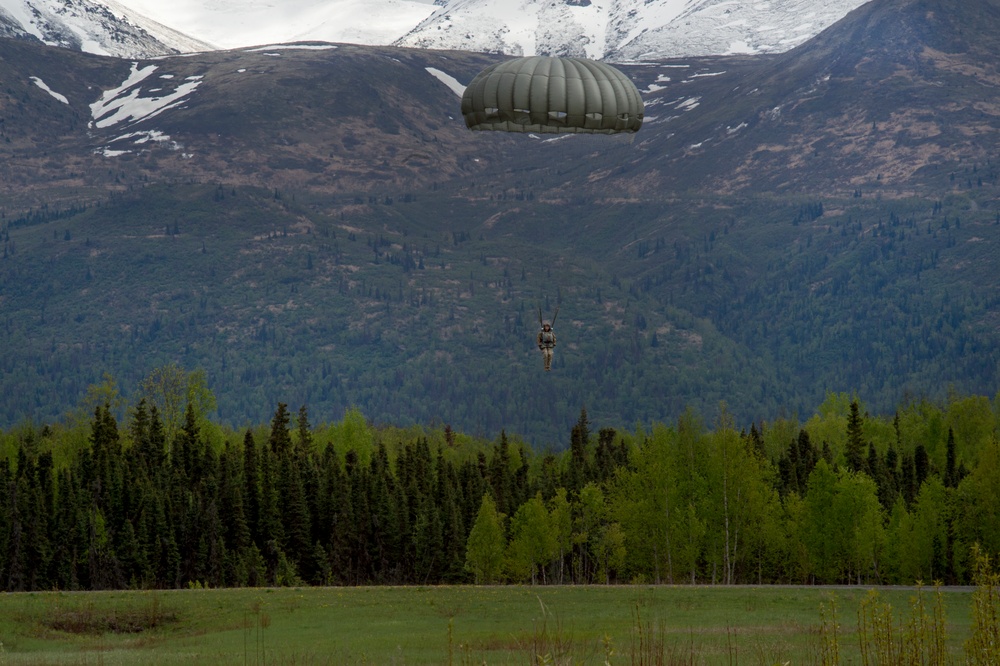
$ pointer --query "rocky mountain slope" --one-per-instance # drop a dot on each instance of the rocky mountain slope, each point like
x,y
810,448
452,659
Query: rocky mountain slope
x,y
874,102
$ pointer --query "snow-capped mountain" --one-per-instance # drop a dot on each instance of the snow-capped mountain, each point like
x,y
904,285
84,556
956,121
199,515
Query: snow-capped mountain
x,y
238,23
723,27
83,25
626,30
616,30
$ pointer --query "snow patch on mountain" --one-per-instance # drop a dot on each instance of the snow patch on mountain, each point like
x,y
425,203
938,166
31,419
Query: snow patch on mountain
x,y
125,103
41,84
130,103
293,47
453,84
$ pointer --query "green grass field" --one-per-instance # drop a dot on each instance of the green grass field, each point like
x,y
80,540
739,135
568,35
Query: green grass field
x,y
450,625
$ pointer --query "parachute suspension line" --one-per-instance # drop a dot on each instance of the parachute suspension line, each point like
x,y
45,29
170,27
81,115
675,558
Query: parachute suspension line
x,y
541,322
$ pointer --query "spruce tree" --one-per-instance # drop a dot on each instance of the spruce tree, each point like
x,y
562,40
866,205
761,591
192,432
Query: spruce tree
x,y
889,490
908,479
280,439
356,527
577,472
139,434
806,459
604,455
251,487
295,516
304,441
921,465
271,526
428,544
500,476
855,448
756,442
387,540
233,516
950,472
156,453
188,448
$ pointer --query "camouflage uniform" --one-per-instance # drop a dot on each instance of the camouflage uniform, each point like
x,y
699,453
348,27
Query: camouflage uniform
x,y
547,342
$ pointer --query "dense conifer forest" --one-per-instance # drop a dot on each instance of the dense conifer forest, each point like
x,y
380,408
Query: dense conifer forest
x,y
162,497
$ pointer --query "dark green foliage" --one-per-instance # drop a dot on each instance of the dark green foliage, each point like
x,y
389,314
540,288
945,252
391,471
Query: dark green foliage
x,y
855,451
577,473
921,465
952,474
889,479
289,512
608,456
795,466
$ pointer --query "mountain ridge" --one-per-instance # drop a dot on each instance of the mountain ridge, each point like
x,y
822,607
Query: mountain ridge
x,y
616,30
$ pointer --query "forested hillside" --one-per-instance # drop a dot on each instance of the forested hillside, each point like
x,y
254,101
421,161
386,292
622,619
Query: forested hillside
x,y
163,500
424,307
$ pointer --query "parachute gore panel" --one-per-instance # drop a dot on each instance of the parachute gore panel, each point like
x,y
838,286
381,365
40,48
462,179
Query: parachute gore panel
x,y
546,94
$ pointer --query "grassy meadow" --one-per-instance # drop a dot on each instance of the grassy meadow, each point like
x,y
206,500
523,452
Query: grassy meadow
x,y
465,625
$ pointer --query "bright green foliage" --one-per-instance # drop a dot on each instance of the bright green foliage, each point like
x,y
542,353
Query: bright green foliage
x,y
793,562
829,423
680,503
533,543
591,518
844,532
823,530
858,513
353,434
741,498
486,546
983,646
903,562
929,541
978,501
609,551
561,524
172,390
644,500
973,421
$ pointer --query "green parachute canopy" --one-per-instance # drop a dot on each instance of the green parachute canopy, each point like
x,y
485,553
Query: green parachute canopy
x,y
552,95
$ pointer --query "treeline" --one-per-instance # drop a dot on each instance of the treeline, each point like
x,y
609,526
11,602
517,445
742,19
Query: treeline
x,y
842,498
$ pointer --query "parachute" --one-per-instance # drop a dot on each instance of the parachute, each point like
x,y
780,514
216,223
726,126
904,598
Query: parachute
x,y
553,95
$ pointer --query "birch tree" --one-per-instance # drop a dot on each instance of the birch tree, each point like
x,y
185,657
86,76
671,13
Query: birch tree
x,y
643,500
532,542
484,555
